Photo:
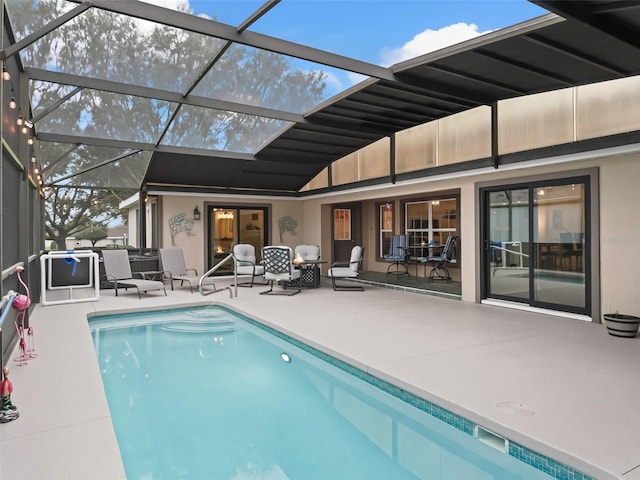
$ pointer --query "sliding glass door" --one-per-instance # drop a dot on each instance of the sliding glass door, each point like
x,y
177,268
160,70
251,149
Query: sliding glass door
x,y
229,225
535,244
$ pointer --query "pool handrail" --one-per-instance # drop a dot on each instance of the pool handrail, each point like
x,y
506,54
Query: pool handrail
x,y
5,305
213,269
6,273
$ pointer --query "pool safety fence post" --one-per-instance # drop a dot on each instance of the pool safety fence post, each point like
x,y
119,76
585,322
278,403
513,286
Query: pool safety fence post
x,y
70,270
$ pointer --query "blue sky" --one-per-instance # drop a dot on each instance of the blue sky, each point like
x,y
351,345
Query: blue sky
x,y
371,30
382,32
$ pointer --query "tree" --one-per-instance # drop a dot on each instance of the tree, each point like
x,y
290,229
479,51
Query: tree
x,y
69,211
94,234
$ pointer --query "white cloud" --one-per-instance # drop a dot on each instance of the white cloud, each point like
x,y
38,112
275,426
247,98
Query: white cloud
x,y
431,40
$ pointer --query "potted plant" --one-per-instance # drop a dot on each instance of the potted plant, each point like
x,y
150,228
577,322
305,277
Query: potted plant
x,y
622,325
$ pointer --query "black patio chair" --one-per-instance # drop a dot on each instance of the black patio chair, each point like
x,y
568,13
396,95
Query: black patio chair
x,y
398,255
438,263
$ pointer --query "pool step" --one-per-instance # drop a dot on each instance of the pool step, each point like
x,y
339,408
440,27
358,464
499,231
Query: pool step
x,y
209,326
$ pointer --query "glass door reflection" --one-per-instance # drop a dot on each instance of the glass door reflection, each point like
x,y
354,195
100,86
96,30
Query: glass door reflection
x,y
559,236
508,217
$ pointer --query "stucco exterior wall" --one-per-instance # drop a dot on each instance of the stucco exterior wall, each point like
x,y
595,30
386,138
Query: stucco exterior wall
x,y
191,242
195,247
620,234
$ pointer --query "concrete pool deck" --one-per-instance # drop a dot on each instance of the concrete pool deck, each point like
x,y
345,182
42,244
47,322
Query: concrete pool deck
x,y
582,384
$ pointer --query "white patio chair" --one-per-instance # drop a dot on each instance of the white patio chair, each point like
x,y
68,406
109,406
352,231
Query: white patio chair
x,y
346,270
246,263
173,266
307,252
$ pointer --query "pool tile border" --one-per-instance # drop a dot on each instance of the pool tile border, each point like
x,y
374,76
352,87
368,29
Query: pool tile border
x,y
541,462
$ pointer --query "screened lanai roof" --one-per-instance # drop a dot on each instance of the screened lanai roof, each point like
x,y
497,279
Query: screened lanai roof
x,y
125,93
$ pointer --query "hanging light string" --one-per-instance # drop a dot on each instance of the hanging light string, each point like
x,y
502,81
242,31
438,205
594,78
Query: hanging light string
x,y
25,126
23,122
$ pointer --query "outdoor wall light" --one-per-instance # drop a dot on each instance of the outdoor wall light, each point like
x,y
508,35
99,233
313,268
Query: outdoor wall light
x,y
196,213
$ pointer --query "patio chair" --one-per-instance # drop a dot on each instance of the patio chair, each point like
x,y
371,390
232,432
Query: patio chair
x,y
245,254
307,252
398,255
118,270
438,263
278,267
173,266
347,270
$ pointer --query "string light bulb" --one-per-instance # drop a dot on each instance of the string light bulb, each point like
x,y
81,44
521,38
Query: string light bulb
x,y
13,104
30,141
24,129
5,73
20,120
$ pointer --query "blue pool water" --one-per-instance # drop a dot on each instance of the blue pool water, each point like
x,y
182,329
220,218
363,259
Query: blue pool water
x,y
205,394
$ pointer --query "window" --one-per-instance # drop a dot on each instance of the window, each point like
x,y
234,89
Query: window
x,y
342,224
385,227
430,222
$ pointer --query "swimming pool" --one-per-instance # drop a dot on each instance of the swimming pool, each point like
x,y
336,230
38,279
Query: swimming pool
x,y
208,394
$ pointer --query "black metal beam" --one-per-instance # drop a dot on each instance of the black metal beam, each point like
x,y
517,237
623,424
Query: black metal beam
x,y
50,108
581,57
113,143
583,13
524,67
257,15
324,119
474,78
204,26
360,105
48,28
420,96
158,94
93,167
615,6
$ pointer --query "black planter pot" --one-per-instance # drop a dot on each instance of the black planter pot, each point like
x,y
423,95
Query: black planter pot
x,y
621,325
